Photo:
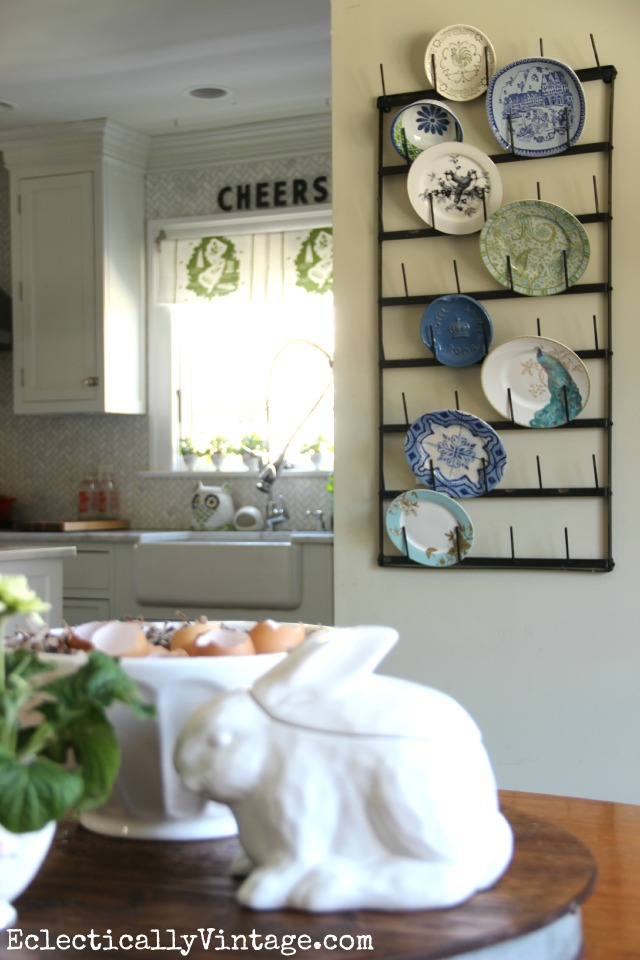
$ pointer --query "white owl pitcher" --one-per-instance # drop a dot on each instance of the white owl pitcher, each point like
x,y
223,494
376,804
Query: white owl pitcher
x,y
212,508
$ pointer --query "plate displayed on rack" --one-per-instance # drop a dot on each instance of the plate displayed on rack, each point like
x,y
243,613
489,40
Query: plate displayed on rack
x,y
534,247
454,188
430,528
453,452
535,381
459,62
536,107
457,329
423,124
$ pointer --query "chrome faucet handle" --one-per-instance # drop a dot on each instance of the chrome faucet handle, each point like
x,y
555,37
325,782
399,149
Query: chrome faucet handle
x,y
318,516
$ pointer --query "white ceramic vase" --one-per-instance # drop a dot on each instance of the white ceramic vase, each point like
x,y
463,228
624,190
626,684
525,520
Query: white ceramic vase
x,y
21,856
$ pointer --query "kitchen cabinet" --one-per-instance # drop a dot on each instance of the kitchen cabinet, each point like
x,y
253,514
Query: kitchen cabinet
x,y
99,582
43,567
77,244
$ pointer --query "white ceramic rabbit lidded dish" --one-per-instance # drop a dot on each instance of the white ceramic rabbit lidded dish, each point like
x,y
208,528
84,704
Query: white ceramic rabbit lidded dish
x,y
351,789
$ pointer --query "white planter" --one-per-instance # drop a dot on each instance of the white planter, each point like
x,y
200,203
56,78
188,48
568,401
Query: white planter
x,y
190,460
21,856
217,459
251,461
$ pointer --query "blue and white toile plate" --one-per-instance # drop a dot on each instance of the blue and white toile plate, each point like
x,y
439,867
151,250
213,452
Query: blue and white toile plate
x,y
529,103
455,453
430,528
457,329
423,124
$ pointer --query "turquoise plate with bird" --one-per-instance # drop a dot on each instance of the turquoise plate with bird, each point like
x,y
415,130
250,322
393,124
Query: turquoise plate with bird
x,y
430,528
534,247
536,382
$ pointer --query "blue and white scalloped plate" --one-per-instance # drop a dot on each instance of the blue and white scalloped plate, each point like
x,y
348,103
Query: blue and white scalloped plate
x,y
423,124
453,452
536,107
457,329
430,528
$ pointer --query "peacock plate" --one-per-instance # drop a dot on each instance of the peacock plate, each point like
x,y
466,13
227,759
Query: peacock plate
x,y
430,528
535,382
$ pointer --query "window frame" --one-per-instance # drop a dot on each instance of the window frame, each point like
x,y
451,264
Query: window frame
x,y
163,400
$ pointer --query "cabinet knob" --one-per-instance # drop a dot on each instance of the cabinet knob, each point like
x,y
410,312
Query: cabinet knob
x,y
90,381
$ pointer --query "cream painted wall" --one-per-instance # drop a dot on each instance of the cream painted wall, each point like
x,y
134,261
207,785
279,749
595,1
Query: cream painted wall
x,y
547,662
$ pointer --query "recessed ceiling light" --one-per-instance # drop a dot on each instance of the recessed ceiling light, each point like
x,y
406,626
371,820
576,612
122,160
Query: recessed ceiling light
x,y
207,93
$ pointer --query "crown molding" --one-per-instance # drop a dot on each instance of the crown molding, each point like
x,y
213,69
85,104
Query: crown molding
x,y
267,140
79,141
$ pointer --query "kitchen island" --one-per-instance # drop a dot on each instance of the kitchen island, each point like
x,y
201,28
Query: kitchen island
x,y
43,566
134,897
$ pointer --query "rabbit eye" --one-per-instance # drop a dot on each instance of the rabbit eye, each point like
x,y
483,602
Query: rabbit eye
x,y
221,738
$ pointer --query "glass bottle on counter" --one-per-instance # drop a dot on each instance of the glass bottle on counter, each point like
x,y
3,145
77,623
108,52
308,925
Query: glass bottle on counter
x,y
87,501
107,495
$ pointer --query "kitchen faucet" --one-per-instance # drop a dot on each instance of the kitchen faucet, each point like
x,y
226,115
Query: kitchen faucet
x,y
275,513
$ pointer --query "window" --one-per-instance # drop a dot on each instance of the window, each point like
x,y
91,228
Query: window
x,y
241,333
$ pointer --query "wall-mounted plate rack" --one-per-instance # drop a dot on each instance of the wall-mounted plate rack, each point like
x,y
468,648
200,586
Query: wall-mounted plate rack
x,y
553,510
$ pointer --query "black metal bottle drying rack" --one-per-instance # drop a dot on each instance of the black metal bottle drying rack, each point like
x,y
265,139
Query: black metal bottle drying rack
x,y
390,557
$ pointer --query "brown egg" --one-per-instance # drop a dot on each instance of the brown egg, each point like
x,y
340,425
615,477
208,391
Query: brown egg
x,y
183,637
221,643
271,637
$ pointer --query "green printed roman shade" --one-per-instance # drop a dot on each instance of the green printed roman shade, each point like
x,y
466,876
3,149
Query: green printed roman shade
x,y
253,266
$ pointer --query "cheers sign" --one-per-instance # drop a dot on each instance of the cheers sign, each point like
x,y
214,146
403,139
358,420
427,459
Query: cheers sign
x,y
279,193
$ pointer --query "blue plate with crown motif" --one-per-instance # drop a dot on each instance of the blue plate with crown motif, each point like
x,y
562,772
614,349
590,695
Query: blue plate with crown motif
x,y
457,329
453,452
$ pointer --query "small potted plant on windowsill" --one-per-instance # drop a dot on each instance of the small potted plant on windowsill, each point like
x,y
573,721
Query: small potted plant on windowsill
x,y
218,449
58,750
190,453
252,448
319,451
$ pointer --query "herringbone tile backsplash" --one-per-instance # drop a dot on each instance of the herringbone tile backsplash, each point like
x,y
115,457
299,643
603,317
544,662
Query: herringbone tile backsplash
x,y
43,458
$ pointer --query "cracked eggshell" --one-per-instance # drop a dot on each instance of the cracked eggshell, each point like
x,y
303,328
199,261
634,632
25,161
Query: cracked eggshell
x,y
220,642
271,637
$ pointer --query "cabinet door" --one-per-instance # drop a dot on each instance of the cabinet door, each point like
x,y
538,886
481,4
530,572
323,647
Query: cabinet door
x,y
56,343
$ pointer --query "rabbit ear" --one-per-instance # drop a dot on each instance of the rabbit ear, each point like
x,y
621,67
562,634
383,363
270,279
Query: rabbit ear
x,y
327,664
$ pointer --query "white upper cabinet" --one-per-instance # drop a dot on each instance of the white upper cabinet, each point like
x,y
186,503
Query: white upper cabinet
x,y
77,241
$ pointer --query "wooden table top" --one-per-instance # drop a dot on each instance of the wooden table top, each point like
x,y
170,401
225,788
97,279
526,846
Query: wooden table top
x,y
133,893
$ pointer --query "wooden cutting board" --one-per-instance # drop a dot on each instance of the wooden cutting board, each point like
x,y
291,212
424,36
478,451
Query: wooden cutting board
x,y
61,526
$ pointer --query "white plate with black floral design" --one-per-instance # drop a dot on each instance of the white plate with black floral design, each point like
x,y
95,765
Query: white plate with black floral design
x,y
430,528
536,382
454,187
459,62
424,124
453,452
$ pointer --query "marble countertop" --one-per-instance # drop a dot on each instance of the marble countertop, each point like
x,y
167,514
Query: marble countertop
x,y
135,536
9,553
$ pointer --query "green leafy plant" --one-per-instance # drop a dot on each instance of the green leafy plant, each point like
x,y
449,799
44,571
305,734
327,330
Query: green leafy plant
x,y
188,448
221,445
252,443
316,446
58,750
